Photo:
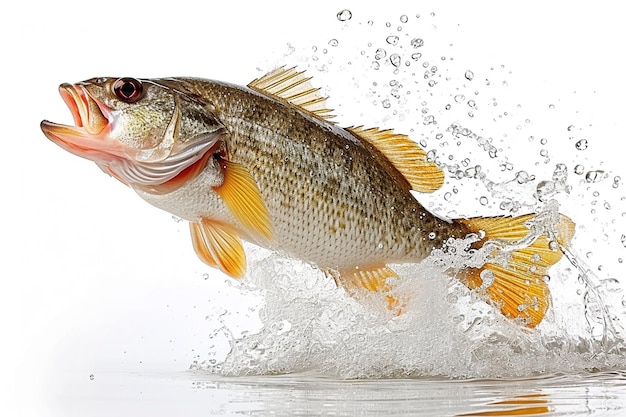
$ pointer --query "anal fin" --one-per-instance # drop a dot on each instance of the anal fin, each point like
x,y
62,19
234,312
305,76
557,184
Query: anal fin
x,y
373,279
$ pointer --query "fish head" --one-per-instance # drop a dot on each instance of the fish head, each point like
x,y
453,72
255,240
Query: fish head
x,y
142,132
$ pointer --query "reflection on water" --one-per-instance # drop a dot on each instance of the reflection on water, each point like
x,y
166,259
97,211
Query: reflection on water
x,y
197,394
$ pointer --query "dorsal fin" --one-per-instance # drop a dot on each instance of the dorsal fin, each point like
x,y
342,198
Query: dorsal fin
x,y
406,156
293,87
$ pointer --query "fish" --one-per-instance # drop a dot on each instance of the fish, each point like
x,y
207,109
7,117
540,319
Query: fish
x,y
265,163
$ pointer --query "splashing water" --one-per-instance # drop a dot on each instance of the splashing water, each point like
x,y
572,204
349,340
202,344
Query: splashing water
x,y
300,321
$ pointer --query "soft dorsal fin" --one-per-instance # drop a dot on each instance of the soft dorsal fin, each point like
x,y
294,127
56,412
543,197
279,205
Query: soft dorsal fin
x,y
406,156
293,87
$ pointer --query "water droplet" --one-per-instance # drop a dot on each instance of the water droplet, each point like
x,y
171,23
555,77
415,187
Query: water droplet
x,y
607,205
522,177
386,103
380,246
177,219
579,169
392,40
432,235
545,189
380,53
612,285
472,104
395,60
623,238
416,56
375,65
488,278
483,200
92,377
617,181
404,18
345,15
205,276
581,145
570,128
594,176
417,42
560,174
459,98
333,42
469,75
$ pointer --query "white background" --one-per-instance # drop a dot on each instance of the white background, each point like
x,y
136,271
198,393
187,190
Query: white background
x,y
92,277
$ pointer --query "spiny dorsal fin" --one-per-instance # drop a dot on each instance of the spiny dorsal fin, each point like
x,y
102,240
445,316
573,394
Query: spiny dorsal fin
x,y
408,158
519,289
293,87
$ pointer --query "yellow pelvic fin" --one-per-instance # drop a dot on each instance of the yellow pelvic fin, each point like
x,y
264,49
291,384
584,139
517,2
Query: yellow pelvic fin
x,y
406,156
375,279
520,287
199,244
243,198
290,85
219,246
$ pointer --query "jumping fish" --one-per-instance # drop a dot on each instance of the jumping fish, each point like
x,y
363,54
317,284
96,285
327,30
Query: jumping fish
x,y
265,163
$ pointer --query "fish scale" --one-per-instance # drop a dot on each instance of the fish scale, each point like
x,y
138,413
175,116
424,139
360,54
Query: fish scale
x,y
352,201
265,163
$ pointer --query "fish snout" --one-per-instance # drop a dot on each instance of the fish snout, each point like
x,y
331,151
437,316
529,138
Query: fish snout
x,y
87,112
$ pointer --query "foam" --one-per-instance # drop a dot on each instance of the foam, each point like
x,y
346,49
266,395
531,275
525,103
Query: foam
x,y
309,325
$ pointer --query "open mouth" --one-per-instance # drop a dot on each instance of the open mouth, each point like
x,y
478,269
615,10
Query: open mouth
x,y
89,138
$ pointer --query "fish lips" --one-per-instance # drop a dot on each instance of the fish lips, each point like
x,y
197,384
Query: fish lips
x,y
89,138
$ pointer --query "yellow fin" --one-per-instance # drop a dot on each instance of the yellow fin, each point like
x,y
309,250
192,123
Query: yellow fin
x,y
199,244
293,87
520,287
375,279
243,198
406,156
219,246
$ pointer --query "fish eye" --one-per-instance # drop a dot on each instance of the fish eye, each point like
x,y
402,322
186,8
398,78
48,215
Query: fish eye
x,y
128,90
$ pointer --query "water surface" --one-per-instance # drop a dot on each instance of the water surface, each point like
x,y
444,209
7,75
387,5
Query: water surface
x,y
193,394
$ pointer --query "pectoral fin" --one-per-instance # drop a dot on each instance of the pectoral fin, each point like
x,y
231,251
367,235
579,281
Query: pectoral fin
x,y
219,246
241,195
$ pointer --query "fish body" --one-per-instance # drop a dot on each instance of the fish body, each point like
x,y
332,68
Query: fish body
x,y
333,199
266,164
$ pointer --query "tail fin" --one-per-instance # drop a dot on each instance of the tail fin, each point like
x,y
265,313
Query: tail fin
x,y
518,285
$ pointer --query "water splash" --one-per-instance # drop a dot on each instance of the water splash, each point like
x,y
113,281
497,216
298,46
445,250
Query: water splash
x,y
300,320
